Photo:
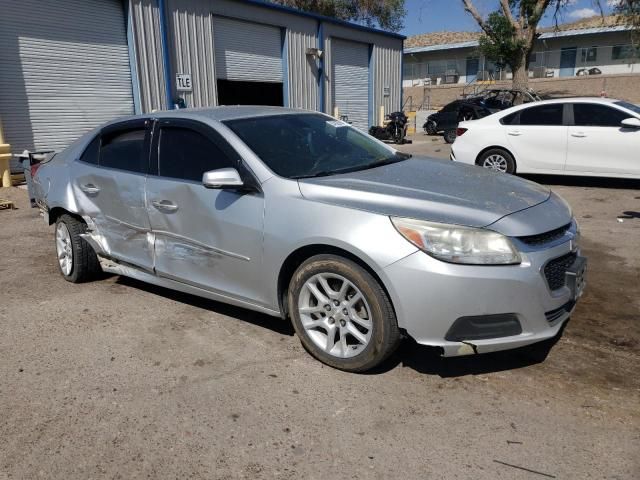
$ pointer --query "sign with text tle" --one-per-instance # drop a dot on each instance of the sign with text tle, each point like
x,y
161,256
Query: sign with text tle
x,y
183,82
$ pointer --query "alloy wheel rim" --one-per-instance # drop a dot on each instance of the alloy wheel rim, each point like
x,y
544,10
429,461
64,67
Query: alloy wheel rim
x,y
335,315
495,162
64,249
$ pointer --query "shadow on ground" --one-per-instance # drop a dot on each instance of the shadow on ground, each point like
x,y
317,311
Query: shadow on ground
x,y
422,359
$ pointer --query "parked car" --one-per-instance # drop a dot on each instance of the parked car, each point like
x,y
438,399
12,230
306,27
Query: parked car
x,y
446,119
570,136
296,214
474,107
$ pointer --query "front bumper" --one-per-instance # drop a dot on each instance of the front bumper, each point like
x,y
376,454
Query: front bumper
x,y
430,295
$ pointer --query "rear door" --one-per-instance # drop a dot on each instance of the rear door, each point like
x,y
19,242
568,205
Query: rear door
x,y
537,136
109,183
597,142
207,238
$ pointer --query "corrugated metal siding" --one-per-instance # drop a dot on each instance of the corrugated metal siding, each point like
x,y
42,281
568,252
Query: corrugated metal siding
x,y
387,65
247,51
303,70
148,52
350,68
385,49
62,70
191,34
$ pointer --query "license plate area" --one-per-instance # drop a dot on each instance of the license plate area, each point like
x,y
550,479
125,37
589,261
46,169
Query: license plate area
x,y
575,277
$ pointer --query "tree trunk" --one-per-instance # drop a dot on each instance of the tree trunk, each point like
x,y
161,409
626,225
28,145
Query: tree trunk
x,y
520,77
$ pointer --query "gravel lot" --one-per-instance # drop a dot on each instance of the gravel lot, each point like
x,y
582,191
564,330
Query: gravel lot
x,y
118,379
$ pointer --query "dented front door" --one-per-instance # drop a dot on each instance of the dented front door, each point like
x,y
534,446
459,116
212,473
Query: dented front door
x,y
207,238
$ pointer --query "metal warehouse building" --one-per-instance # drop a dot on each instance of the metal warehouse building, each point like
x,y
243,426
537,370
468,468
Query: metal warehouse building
x,y
66,66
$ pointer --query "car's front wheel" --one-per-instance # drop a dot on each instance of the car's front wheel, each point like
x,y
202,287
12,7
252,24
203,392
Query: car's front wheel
x,y
497,159
341,314
76,259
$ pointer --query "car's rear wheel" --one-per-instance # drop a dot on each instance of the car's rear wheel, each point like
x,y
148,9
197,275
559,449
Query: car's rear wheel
x,y
76,259
450,135
341,314
497,159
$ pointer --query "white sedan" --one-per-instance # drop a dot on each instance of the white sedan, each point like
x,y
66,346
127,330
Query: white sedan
x,y
568,136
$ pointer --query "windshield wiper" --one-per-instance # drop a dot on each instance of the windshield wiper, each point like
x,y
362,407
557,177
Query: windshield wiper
x,y
325,173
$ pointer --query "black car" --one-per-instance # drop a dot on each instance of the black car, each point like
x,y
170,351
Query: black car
x,y
446,120
473,107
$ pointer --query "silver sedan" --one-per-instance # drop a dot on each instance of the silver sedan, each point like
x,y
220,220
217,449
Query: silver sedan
x,y
298,215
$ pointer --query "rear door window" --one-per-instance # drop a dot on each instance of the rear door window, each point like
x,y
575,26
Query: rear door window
x,y
542,115
125,150
187,154
594,115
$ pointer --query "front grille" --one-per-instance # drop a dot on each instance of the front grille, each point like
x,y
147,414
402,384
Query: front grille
x,y
546,237
554,315
555,270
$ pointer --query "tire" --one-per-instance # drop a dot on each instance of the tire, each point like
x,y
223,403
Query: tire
x,y
449,136
430,127
497,159
84,262
372,316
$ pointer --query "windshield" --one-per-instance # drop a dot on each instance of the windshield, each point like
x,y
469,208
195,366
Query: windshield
x,y
629,106
309,145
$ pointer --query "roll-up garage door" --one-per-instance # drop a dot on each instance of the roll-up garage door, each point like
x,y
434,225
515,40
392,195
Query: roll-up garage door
x,y
247,51
351,81
64,69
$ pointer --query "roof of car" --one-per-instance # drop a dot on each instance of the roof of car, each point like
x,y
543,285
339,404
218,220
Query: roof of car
x,y
579,100
229,112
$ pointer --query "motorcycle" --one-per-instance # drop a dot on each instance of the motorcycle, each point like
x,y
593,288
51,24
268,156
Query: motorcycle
x,y
395,129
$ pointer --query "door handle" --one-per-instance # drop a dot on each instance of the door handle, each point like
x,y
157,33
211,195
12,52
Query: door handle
x,y
578,134
165,205
514,133
89,189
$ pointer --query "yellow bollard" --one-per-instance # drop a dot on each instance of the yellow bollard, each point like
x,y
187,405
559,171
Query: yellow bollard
x,y
336,113
381,116
5,161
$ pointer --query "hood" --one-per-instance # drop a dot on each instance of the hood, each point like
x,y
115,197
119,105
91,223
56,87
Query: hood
x,y
429,189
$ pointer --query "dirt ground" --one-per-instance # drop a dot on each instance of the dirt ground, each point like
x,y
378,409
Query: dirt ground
x,y
116,379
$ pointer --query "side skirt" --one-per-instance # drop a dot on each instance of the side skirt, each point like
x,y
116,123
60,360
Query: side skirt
x,y
111,266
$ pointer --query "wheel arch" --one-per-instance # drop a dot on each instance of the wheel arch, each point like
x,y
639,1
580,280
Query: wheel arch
x,y
57,212
300,255
497,147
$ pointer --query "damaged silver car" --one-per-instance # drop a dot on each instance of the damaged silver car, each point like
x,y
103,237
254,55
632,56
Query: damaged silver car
x,y
298,215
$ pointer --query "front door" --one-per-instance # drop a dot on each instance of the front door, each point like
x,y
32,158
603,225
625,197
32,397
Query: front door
x,y
599,144
568,61
473,64
207,238
109,181
538,138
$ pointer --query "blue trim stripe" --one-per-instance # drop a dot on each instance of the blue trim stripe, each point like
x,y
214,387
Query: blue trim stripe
x,y
321,86
135,81
322,18
285,66
371,112
165,53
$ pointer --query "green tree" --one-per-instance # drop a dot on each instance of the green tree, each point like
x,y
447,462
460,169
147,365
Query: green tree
x,y
629,12
385,14
509,34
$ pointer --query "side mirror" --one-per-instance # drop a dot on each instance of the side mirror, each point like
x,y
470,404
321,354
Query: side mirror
x,y
222,178
631,122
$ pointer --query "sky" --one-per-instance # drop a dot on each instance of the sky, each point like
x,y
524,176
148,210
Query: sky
x,y
425,16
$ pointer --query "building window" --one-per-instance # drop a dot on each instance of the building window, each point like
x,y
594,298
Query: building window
x,y
533,57
589,54
623,52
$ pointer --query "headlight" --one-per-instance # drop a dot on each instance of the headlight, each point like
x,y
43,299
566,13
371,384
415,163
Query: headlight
x,y
456,244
